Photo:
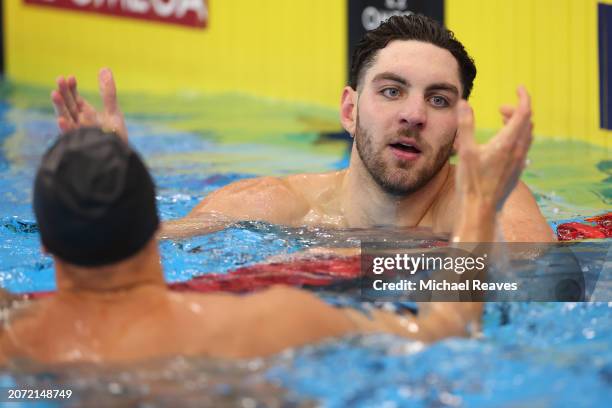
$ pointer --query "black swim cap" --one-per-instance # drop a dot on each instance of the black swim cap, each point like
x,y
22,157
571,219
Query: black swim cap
x,y
94,199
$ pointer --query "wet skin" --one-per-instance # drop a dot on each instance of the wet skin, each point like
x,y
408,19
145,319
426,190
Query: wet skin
x,y
124,311
408,96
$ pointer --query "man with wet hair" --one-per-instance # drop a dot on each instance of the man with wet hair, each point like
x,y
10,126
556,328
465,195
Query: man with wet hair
x,y
407,81
94,202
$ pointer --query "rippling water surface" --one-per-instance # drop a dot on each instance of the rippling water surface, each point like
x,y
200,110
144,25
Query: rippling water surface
x,y
537,354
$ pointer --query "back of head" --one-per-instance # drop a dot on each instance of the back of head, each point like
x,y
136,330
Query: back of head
x,y
411,27
94,199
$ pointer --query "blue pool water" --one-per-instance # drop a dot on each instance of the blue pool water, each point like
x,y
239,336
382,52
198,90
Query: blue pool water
x,y
531,354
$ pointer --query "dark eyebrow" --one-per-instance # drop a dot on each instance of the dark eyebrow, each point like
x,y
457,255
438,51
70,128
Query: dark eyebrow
x,y
443,86
390,76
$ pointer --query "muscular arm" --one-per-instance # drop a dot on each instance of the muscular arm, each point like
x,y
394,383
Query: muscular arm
x,y
286,317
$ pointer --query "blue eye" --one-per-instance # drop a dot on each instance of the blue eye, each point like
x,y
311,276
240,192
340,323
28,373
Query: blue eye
x,y
439,101
391,92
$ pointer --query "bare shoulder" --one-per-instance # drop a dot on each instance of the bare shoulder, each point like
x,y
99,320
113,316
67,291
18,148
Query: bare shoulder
x,y
521,219
270,199
317,186
313,180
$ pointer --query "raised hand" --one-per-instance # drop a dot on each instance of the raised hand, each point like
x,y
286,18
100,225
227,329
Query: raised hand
x,y
73,112
488,173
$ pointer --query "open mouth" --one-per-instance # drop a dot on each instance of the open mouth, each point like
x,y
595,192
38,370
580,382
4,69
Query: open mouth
x,y
404,147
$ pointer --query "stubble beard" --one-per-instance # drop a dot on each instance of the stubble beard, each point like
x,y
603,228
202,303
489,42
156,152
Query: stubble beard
x,y
406,178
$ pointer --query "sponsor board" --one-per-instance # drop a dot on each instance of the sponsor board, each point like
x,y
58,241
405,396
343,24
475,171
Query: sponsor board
x,y
191,13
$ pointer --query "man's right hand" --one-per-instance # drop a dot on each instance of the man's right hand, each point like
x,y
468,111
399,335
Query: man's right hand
x,y
73,112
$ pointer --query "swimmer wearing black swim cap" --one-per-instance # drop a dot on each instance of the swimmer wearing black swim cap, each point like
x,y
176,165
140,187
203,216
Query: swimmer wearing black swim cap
x,y
94,199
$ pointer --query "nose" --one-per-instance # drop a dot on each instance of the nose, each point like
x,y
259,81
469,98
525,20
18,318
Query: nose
x,y
413,113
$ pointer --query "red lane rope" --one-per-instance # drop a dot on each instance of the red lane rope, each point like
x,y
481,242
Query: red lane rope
x,y
312,272
322,272
602,228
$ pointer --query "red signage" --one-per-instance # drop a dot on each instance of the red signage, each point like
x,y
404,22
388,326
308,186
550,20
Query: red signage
x,y
193,13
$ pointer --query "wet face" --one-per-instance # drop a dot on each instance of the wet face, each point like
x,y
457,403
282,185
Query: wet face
x,y
405,115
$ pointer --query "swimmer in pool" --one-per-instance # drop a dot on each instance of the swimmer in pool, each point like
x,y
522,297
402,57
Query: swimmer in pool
x,y
94,202
407,80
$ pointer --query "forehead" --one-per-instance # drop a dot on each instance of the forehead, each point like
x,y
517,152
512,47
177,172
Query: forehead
x,y
416,61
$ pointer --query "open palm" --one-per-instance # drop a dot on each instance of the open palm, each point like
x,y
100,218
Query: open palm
x,y
489,172
73,111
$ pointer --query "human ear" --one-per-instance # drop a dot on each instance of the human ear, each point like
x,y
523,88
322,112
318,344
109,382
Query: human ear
x,y
348,107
